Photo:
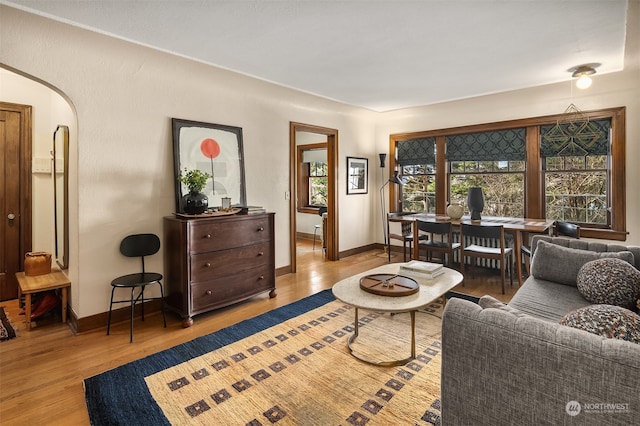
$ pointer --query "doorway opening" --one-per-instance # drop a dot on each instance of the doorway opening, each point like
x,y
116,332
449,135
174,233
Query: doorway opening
x,y
298,132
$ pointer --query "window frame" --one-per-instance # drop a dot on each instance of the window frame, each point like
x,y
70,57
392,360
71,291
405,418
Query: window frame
x,y
534,177
302,196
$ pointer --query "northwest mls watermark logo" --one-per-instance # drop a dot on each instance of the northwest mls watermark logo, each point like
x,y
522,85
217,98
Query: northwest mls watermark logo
x,y
573,408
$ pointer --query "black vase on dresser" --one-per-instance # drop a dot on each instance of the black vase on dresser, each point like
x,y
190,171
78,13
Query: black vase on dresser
x,y
194,203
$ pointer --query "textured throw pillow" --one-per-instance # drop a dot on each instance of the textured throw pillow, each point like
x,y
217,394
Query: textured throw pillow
x,y
609,321
559,264
609,281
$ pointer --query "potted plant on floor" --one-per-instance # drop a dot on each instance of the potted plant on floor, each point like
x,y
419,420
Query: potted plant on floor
x,y
195,202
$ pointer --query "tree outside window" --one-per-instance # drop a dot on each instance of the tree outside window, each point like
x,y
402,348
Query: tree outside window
x,y
318,184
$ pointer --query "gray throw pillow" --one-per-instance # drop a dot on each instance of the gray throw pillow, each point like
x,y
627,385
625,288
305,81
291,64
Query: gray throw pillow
x,y
559,264
609,281
609,321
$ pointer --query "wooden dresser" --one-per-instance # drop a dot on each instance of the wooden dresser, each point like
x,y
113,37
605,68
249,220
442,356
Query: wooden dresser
x,y
214,262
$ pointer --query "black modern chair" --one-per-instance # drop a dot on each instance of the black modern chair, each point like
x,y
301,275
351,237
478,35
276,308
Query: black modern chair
x,y
502,253
566,229
138,245
444,244
406,235
321,211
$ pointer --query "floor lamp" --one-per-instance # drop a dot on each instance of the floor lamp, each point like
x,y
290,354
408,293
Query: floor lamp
x,y
394,179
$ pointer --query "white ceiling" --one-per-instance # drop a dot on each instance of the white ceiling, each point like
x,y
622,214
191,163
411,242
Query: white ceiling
x,y
381,55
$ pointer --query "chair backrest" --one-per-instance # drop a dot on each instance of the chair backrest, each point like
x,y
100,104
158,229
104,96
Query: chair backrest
x,y
440,228
140,245
322,210
483,231
406,226
567,229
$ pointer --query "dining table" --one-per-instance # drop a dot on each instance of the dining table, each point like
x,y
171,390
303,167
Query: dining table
x,y
515,225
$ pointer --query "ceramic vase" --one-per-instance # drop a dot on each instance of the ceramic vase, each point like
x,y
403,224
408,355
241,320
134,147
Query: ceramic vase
x,y
454,211
195,203
475,201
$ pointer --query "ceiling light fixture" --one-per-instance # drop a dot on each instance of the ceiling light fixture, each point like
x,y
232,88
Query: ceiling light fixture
x,y
582,73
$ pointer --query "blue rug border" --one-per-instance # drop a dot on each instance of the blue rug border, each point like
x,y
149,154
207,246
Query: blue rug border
x,y
124,387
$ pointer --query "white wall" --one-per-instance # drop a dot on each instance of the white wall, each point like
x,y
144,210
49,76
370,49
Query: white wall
x,y
125,96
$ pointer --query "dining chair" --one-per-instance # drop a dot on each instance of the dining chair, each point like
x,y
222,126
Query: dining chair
x,y
406,234
321,211
137,245
480,233
560,228
440,240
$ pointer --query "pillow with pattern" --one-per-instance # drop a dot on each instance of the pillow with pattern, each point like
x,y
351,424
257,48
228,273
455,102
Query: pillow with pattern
x,y
609,281
609,321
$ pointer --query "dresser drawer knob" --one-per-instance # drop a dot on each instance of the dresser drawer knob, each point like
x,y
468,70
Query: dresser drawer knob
x,y
261,253
208,292
261,229
207,236
261,277
207,265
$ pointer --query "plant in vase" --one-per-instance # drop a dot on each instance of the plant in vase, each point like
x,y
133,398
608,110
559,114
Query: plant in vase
x,y
195,202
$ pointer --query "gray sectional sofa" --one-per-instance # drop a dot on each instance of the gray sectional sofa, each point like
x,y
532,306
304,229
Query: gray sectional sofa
x,y
516,365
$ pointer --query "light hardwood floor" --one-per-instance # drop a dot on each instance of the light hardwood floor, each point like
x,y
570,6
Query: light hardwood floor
x,y
41,371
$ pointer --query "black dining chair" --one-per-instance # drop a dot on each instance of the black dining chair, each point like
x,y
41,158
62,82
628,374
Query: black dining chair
x,y
440,240
406,235
478,233
137,245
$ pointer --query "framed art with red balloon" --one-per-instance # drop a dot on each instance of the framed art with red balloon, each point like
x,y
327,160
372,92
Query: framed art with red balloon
x,y
212,148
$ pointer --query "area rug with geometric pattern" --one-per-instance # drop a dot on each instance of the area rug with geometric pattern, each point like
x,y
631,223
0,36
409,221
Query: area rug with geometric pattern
x,y
290,366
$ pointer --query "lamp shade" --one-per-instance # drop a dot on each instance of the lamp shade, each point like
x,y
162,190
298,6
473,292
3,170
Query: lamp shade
x,y
383,157
397,179
475,201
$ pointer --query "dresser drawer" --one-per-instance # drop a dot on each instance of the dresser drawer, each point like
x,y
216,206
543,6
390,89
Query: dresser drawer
x,y
210,236
227,290
204,266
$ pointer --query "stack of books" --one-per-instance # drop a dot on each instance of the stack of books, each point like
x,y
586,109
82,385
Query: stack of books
x,y
423,269
255,209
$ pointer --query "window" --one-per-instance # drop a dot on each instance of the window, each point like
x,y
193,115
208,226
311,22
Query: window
x,y
494,161
575,158
417,157
501,181
561,167
312,177
317,184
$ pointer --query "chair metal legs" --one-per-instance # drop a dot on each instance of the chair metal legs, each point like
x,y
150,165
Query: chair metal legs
x,y
133,300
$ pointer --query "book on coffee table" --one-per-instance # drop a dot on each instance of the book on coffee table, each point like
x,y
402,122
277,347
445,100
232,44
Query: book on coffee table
x,y
426,269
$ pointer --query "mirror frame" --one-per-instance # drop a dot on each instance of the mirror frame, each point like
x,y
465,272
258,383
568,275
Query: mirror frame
x,y
61,194
189,152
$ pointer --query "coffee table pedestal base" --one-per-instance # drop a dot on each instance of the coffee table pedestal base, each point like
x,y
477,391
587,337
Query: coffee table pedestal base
x,y
392,363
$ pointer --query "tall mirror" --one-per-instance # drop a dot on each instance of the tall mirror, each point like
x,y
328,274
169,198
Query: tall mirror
x,y
61,194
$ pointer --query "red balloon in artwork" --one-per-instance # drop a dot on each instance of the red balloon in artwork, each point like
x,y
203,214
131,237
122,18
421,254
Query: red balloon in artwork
x,y
210,148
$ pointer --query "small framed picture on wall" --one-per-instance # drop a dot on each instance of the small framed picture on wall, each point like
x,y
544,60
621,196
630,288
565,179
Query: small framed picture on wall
x,y
357,175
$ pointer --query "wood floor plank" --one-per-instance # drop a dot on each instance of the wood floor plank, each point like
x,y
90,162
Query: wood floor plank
x,y
41,371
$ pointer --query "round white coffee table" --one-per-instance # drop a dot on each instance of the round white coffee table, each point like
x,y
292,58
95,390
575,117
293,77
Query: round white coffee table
x,y
349,291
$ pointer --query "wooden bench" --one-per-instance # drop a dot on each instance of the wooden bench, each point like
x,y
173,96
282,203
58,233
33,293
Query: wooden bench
x,y
38,283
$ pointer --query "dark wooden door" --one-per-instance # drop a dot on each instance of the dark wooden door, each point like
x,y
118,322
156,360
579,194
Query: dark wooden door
x,y
15,197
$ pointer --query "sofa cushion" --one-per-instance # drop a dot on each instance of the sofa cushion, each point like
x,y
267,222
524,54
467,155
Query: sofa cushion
x,y
547,300
552,262
609,281
609,321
